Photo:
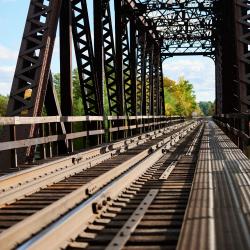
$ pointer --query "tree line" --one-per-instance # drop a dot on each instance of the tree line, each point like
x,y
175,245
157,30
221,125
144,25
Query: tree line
x,y
179,98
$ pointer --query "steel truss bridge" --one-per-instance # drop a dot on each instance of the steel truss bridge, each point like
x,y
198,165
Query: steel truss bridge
x,y
123,175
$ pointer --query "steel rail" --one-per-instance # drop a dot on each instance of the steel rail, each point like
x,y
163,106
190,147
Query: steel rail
x,y
70,224
26,228
192,146
120,230
122,237
17,185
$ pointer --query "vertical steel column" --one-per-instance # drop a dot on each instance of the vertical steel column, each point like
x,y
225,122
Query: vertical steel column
x,y
128,85
143,74
157,96
151,88
66,87
147,77
218,79
133,62
242,40
119,58
98,6
91,93
110,61
229,83
242,36
161,88
32,71
33,65
139,77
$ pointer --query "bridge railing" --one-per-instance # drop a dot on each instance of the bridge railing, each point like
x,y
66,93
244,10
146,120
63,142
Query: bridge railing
x,y
236,126
86,131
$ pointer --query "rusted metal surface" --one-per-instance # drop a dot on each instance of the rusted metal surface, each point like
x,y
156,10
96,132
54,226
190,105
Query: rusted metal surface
x,y
16,185
53,202
134,86
52,130
130,60
161,219
168,171
129,227
32,69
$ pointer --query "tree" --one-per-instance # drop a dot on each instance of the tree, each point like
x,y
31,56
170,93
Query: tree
x,y
77,94
77,98
207,108
180,98
3,105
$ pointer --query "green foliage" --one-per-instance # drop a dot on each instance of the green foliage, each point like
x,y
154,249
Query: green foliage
x,y
3,107
208,108
3,104
77,100
56,81
180,98
77,94
106,101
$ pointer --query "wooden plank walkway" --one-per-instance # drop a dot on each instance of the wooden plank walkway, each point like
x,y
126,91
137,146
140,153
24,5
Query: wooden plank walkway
x,y
218,213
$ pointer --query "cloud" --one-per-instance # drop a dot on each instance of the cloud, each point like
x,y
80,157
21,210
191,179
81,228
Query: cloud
x,y
198,70
183,65
7,69
7,54
6,77
5,88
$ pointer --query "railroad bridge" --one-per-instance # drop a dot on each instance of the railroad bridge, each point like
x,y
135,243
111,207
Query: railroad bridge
x,y
126,176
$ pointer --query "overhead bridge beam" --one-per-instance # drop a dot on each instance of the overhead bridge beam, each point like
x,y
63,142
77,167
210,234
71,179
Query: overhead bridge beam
x,y
187,54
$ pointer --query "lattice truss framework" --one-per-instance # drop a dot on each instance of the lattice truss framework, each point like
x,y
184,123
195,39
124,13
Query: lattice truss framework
x,y
124,56
125,49
184,26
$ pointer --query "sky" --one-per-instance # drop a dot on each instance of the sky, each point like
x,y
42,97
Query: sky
x,y
196,69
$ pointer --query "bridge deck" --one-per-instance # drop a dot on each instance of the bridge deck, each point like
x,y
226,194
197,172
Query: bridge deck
x,y
184,186
218,213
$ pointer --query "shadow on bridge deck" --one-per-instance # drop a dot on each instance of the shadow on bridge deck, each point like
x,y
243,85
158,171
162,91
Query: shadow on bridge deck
x,y
218,213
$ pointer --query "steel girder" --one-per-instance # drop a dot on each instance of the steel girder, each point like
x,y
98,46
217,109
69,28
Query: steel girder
x,y
33,65
184,26
133,65
32,72
141,50
110,61
119,57
225,60
242,40
161,90
129,85
127,54
91,91
232,57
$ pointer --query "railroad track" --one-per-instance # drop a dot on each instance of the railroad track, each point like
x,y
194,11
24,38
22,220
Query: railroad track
x,y
19,220
149,213
17,185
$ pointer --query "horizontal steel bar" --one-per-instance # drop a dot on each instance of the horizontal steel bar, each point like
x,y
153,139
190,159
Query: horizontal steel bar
x,y
18,120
